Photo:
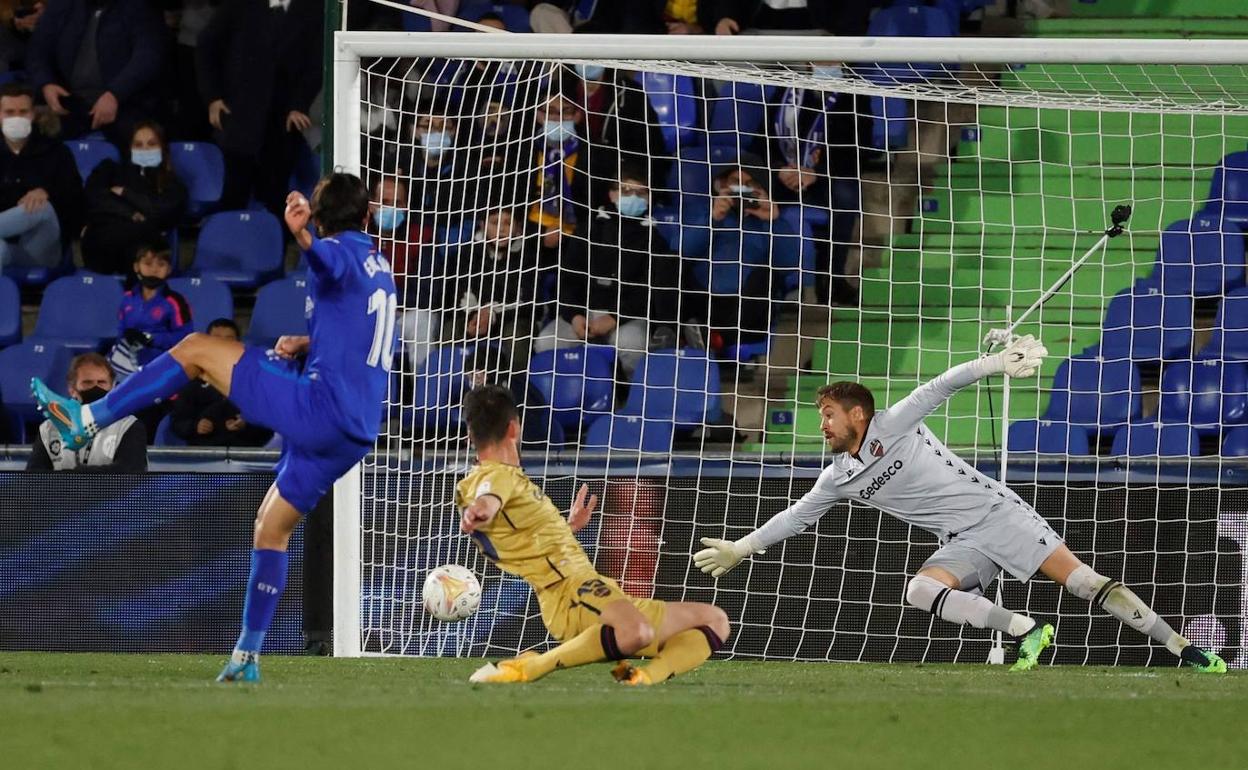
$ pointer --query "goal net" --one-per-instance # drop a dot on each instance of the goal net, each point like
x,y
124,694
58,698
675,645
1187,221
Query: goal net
x,y
665,247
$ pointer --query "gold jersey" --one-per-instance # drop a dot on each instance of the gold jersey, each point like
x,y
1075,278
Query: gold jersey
x,y
528,537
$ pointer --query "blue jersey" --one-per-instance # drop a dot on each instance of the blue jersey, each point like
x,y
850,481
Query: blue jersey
x,y
351,309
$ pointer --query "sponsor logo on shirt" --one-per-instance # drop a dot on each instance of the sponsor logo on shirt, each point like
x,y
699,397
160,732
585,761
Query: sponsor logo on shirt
x,y
877,483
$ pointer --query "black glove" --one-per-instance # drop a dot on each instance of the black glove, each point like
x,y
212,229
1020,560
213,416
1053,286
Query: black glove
x,y
137,339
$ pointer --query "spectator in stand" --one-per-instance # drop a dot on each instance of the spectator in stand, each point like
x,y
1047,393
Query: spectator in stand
x,y
730,17
618,281
617,114
188,18
403,240
40,190
17,20
259,69
735,254
201,416
153,317
131,204
98,63
442,182
119,448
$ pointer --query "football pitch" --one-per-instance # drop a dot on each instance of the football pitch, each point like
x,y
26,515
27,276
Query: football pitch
x,y
164,711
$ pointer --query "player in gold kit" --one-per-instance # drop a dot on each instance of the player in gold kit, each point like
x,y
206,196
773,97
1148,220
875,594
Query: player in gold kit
x,y
520,530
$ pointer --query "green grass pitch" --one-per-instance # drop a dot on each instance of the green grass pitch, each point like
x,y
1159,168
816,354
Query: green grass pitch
x,y
164,711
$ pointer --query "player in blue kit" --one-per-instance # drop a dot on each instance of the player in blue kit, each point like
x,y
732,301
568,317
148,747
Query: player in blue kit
x,y
327,411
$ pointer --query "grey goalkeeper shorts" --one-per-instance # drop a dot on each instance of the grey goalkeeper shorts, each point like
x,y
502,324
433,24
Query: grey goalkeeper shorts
x,y
1013,538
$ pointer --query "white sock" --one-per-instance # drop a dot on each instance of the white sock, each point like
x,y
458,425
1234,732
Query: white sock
x,y
963,607
88,421
243,656
1122,603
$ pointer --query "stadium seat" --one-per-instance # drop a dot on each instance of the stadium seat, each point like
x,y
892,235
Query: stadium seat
x,y
540,428
439,387
209,300
1048,437
1235,444
674,101
892,115
1100,395
79,311
1228,190
165,435
1203,256
42,276
281,308
1143,324
1229,340
577,382
240,248
89,153
738,113
615,431
1206,394
10,312
1153,439
201,167
20,362
678,385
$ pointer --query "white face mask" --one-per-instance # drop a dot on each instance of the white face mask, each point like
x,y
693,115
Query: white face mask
x,y
16,128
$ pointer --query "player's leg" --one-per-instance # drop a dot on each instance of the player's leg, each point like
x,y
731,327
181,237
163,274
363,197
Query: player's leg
x,y
196,355
275,521
689,633
1064,568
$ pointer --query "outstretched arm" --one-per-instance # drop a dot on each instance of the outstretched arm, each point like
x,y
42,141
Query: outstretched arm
x,y
1021,358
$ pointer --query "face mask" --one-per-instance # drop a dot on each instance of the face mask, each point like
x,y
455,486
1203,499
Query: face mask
x,y
15,128
632,205
828,71
91,395
590,71
389,218
146,158
151,282
560,130
435,142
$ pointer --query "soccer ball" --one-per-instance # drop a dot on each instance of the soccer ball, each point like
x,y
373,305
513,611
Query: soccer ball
x,y
451,593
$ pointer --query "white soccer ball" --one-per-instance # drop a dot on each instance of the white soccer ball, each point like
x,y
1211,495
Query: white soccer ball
x,y
451,593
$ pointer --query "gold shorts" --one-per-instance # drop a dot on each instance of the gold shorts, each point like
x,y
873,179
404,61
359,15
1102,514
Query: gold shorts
x,y
577,601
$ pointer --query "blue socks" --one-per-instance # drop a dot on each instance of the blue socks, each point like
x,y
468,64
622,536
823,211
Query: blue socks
x,y
264,588
155,382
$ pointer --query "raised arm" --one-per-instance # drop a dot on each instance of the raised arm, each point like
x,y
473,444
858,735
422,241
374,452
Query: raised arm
x,y
719,556
1021,358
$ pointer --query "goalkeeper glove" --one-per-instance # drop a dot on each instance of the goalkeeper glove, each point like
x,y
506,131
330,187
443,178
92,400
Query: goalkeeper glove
x,y
722,555
1021,358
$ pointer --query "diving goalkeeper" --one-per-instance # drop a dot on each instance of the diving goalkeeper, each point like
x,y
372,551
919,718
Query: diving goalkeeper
x,y
890,460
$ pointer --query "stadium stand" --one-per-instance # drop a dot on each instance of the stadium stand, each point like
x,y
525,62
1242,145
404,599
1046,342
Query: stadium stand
x,y
1152,439
1047,436
281,308
1101,395
577,382
20,362
678,385
201,167
209,299
242,249
10,312
625,432
1206,394
79,311
88,153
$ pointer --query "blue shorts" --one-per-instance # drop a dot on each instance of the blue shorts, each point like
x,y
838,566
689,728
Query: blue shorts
x,y
271,391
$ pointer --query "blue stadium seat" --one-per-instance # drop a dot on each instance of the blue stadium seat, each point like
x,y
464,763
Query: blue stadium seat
x,y
737,115
440,387
905,18
644,434
1143,324
1206,394
577,382
20,362
281,308
209,299
1048,437
165,435
540,428
79,311
240,248
674,101
1203,256
678,385
1235,444
201,167
1230,329
1153,439
89,153
10,312
42,276
1228,190
515,18
1100,395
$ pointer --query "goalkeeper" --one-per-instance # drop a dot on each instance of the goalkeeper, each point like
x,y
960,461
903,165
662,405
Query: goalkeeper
x,y
518,529
891,461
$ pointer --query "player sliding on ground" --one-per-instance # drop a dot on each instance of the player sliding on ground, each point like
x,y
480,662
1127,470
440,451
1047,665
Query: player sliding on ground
x,y
892,462
327,411
518,529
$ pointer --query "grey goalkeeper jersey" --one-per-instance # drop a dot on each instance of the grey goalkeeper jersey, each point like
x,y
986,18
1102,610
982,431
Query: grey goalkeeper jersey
x,y
903,470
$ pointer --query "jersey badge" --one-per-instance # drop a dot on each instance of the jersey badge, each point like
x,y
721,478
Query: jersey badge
x,y
876,448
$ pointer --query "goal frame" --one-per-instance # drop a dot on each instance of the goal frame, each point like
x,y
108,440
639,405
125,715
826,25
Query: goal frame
x,y
349,47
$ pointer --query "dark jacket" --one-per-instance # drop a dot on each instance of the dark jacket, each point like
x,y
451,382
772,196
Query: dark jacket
x,y
263,63
836,16
621,266
628,123
45,163
477,275
161,208
130,45
200,401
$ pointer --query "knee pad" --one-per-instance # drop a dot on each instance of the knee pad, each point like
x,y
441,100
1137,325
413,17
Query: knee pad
x,y
922,591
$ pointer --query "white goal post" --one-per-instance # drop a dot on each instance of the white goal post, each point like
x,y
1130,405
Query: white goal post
x,y
1039,139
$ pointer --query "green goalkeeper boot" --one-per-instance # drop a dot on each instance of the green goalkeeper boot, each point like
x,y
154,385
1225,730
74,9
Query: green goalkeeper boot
x,y
1204,661
1035,642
